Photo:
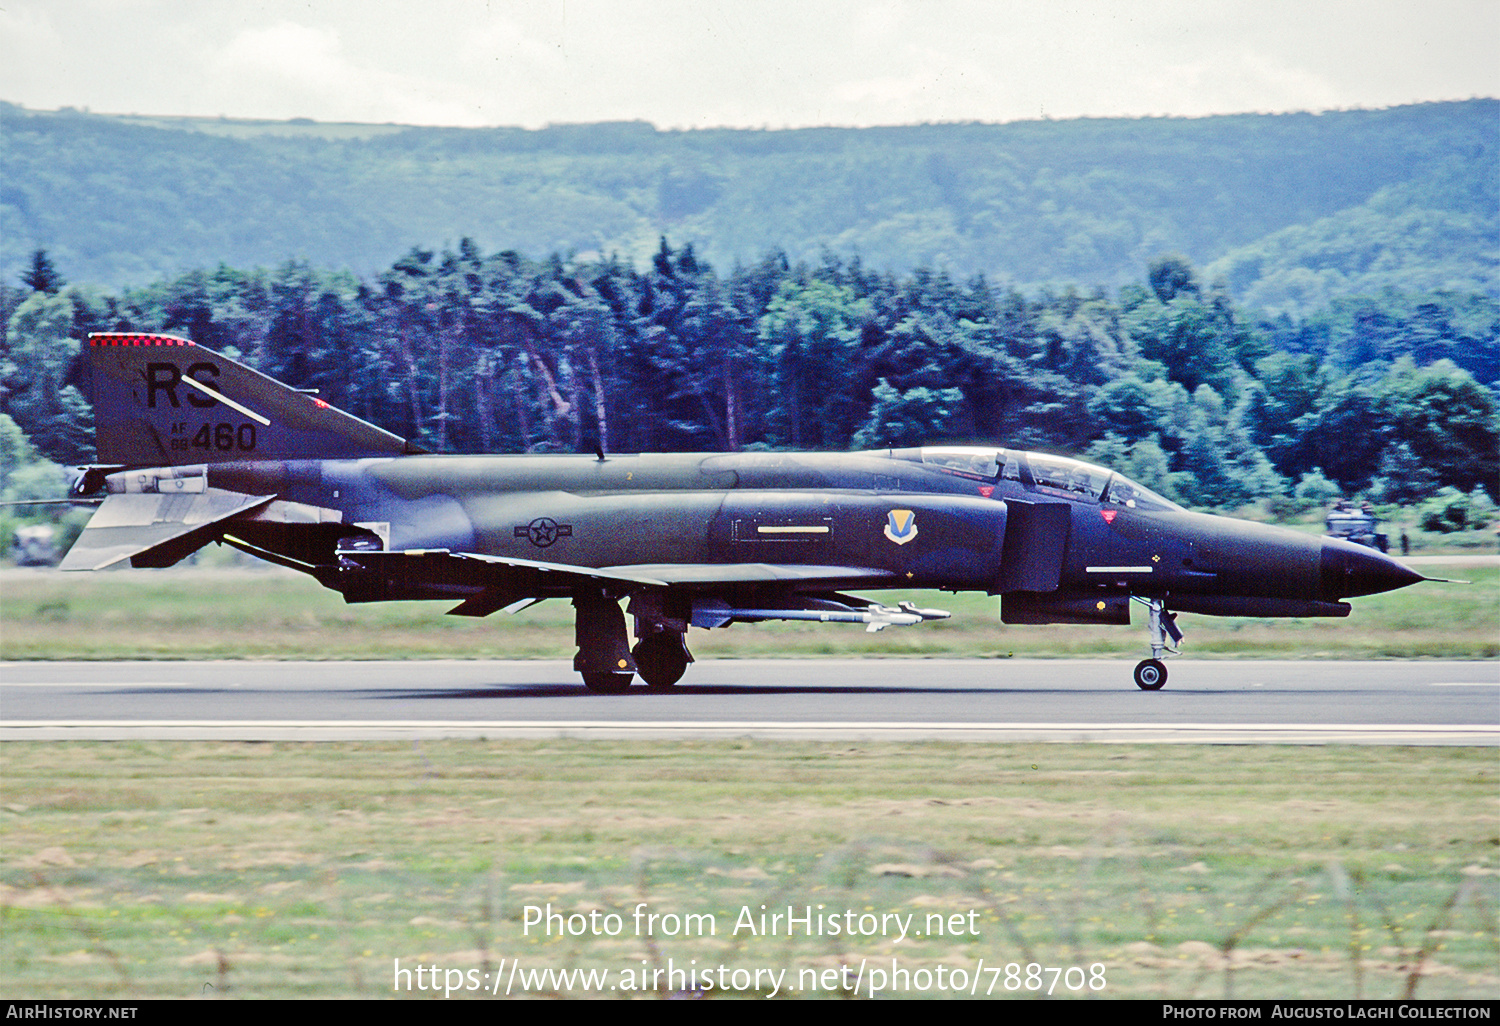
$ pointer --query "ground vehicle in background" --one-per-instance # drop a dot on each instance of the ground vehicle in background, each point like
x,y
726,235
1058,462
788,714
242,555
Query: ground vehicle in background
x,y
1358,524
33,545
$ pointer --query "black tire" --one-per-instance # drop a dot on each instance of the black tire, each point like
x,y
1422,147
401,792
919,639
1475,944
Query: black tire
x,y
1150,675
607,683
661,660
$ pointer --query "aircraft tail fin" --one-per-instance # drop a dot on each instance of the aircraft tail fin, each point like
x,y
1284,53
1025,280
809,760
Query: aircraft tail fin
x,y
161,401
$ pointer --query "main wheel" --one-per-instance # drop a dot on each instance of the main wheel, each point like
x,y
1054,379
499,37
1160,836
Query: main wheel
x,y
661,660
607,683
1150,675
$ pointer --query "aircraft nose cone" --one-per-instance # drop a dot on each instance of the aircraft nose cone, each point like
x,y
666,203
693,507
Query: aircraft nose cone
x,y
1348,570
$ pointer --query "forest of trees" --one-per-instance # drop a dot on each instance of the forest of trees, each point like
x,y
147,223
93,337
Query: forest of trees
x,y
1167,380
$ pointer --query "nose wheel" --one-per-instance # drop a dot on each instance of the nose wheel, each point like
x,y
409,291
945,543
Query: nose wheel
x,y
1151,674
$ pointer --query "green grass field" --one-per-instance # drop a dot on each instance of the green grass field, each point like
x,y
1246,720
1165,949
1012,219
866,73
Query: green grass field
x,y
146,869
208,613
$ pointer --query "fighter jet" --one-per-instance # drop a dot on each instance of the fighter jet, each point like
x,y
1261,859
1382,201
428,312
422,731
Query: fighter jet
x,y
197,448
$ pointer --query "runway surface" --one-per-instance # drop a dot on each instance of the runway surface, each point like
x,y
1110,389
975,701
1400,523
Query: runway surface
x,y
867,699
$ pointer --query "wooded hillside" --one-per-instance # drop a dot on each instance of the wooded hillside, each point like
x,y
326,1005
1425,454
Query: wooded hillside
x,y
1291,211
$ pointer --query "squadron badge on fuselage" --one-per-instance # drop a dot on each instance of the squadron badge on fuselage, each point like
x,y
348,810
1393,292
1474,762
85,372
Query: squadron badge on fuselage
x,y
901,526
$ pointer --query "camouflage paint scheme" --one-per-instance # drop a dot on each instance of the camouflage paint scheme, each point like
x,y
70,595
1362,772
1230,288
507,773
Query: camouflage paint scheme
x,y
194,448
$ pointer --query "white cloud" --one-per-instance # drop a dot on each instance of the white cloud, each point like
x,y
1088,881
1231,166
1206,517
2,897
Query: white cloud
x,y
30,47
727,62
1242,81
292,70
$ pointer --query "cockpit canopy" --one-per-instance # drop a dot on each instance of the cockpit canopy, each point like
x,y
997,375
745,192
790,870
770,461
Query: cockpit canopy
x,y
1035,471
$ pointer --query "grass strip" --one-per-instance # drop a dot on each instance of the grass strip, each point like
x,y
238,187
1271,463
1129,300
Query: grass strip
x,y
273,614
160,869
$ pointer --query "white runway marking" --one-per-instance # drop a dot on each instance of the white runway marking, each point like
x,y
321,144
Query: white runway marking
x,y
106,684
375,730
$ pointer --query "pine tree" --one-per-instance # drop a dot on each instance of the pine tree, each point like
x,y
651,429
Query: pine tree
x,y
42,276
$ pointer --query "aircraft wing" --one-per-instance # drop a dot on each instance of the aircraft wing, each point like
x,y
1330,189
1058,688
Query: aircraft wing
x,y
154,529
506,581
750,573
658,575
556,571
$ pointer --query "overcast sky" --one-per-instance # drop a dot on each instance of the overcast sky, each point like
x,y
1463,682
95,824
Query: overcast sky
x,y
706,63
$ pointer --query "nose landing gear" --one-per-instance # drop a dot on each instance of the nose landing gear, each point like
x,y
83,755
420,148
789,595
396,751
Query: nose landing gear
x,y
1151,674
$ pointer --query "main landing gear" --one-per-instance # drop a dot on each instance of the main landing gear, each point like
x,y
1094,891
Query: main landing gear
x,y
1151,674
606,660
661,659
603,647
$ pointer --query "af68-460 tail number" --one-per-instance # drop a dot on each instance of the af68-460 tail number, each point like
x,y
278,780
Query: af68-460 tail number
x,y
223,436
